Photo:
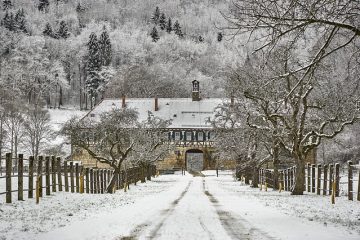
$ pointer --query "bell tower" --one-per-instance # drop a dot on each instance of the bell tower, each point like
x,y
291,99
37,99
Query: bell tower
x,y
195,91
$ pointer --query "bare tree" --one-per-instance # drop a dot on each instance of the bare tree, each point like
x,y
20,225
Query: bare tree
x,y
297,114
37,129
113,138
150,146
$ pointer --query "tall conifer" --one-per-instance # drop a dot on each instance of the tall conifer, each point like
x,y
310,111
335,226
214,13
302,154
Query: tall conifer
x,y
169,26
156,16
105,52
7,4
63,31
154,35
93,66
177,29
48,30
43,5
20,21
162,21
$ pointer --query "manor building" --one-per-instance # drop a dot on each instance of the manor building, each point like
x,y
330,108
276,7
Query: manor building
x,y
190,129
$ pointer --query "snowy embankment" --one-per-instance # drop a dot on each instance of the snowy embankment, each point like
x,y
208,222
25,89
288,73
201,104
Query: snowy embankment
x,y
26,220
182,207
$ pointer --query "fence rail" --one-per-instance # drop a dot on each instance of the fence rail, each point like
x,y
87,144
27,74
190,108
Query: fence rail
x,y
320,179
52,175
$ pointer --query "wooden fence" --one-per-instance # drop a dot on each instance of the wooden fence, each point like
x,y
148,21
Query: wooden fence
x,y
319,179
52,174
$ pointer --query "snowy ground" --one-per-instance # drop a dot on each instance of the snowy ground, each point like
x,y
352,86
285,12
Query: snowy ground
x,y
182,207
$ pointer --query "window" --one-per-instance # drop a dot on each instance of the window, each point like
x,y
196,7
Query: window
x,y
92,115
200,136
177,135
188,136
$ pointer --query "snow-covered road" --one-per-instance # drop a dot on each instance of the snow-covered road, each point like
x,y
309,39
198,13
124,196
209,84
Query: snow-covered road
x,y
198,208
180,207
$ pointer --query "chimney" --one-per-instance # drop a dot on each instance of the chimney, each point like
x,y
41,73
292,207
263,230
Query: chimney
x,y
156,104
123,105
195,91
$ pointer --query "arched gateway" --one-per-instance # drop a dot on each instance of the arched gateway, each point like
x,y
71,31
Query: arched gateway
x,y
194,159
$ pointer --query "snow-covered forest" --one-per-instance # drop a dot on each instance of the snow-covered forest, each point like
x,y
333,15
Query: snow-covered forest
x,y
56,54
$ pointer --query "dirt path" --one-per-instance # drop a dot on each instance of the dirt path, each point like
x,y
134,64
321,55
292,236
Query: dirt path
x,y
195,214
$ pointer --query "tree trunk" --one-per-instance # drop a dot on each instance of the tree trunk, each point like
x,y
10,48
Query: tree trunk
x,y
298,188
110,187
255,178
60,97
142,174
148,173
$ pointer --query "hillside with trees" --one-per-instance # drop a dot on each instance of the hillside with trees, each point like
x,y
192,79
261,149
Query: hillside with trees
x,y
77,52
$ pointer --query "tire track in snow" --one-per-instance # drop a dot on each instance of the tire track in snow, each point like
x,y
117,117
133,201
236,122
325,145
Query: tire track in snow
x,y
234,225
167,212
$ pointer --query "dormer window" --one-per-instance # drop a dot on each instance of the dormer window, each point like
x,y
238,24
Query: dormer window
x,y
92,115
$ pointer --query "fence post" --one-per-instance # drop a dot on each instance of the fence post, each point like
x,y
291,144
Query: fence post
x,y
358,192
77,180
101,173
308,178
66,178
325,180
20,177
39,175
81,180
313,178
31,177
331,171
289,179
105,179
58,161
53,174
47,175
98,184
91,180
318,182
8,177
95,181
337,179
72,186
350,181
87,184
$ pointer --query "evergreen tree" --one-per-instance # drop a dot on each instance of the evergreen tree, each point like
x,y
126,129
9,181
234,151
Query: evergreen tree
x,y
105,48
63,31
201,39
43,5
79,8
7,4
219,37
154,35
177,29
93,67
20,21
162,21
156,16
169,26
48,30
9,22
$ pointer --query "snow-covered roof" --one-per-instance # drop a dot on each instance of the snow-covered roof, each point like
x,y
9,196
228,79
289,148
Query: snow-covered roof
x,y
183,112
